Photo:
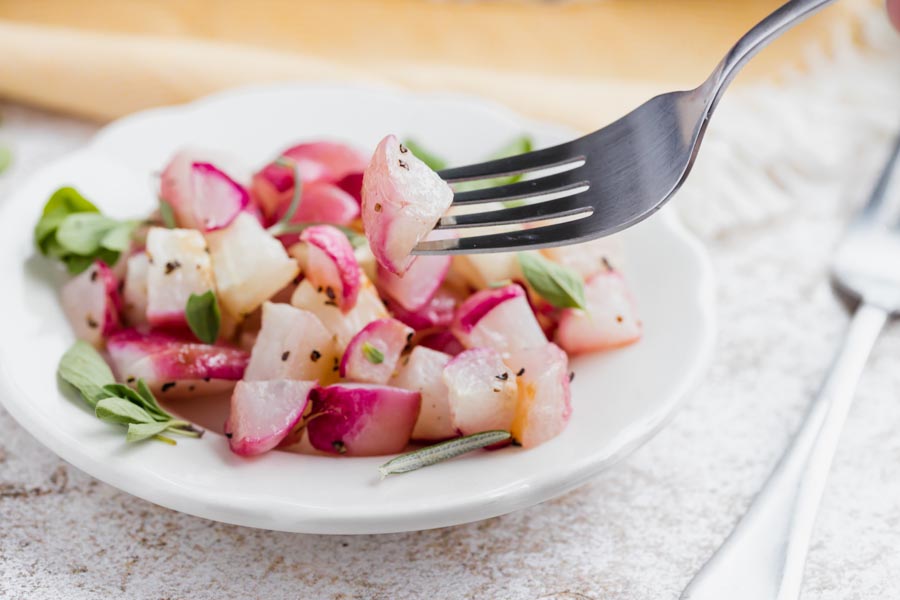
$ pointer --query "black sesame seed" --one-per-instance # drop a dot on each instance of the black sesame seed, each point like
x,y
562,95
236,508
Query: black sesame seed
x,y
339,447
329,291
377,207
403,149
409,336
571,376
285,355
607,264
521,372
92,323
171,266
315,355
321,289
502,376
167,386
330,303
207,379
129,380
403,165
229,435
94,275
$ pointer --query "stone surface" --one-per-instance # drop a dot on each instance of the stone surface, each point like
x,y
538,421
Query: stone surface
x,y
636,532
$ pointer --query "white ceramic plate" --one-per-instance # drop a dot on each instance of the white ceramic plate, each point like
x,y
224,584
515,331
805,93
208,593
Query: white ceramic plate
x,y
620,399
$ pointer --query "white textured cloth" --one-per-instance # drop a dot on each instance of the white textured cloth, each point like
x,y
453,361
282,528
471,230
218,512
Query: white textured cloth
x,y
779,176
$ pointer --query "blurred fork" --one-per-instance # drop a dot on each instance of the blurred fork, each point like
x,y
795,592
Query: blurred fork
x,y
763,558
617,176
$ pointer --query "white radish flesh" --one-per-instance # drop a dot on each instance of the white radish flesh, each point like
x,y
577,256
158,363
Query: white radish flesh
x,y
343,325
422,372
544,399
179,266
500,319
482,391
331,264
264,413
91,303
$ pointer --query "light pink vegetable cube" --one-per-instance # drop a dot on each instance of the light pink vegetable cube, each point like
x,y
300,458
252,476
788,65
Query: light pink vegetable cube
x,y
134,291
482,391
372,354
544,400
414,289
611,319
92,304
343,325
331,264
500,319
179,266
264,413
423,372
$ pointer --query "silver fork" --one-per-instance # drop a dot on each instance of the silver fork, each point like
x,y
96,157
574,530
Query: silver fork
x,y
617,176
763,558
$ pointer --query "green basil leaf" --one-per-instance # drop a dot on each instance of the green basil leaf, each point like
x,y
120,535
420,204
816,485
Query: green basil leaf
x,y
167,214
77,264
81,233
6,157
138,432
558,285
83,367
118,239
64,202
203,316
121,390
434,162
150,400
372,354
120,410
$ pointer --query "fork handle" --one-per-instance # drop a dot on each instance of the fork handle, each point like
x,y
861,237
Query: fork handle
x,y
785,17
763,558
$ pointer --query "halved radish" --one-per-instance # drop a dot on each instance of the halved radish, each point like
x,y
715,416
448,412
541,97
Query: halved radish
x,y
321,203
500,319
327,162
264,413
444,341
589,258
92,304
422,372
343,325
414,289
372,354
438,312
611,319
250,265
331,264
174,366
179,266
402,199
202,196
360,419
544,400
134,290
292,344
482,391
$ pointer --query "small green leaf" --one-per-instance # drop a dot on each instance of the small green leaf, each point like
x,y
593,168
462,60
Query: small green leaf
x,y
150,402
443,451
120,410
81,233
434,162
6,157
118,239
372,354
83,367
167,214
77,264
138,432
558,285
203,316
64,202
136,397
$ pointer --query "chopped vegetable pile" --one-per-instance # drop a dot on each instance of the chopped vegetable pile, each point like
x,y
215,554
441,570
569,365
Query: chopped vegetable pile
x,y
294,292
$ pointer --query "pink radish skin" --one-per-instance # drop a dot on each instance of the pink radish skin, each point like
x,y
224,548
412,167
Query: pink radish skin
x,y
415,288
402,199
439,312
331,264
134,291
174,366
179,266
611,320
327,162
544,399
499,319
442,341
250,265
264,413
321,203
362,419
292,344
352,184
92,304
482,391
422,372
387,336
201,196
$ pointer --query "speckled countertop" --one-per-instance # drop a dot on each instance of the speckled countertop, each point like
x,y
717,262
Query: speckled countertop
x,y
637,532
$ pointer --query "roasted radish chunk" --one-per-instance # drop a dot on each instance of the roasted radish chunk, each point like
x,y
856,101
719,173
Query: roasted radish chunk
x,y
325,162
437,313
179,266
589,258
250,265
134,291
91,302
500,319
402,199
264,413
423,372
202,195
414,289
331,264
482,391
292,344
343,325
372,354
362,419
173,366
544,401
610,321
